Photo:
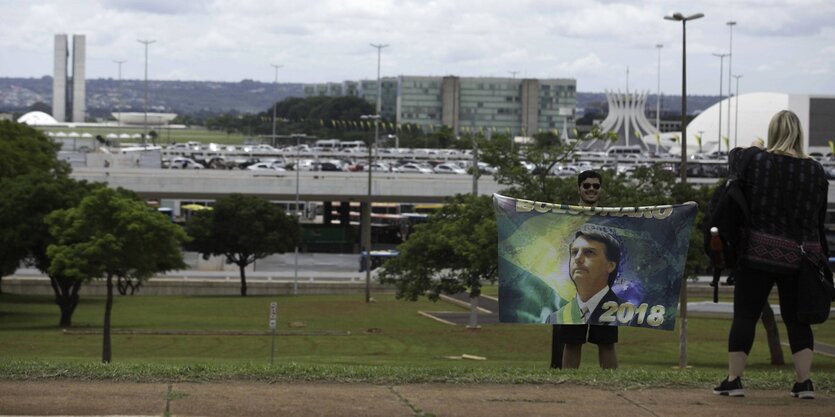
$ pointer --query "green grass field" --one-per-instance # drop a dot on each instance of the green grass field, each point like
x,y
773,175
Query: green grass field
x,y
388,339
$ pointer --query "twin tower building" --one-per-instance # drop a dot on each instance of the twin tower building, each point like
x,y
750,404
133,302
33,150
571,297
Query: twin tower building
x,y
68,89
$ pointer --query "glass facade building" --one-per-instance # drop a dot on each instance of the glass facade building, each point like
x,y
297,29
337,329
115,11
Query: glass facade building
x,y
469,104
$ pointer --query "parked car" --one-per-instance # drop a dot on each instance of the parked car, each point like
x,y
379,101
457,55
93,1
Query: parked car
x,y
265,148
181,162
448,168
327,166
382,167
265,166
486,168
565,170
413,167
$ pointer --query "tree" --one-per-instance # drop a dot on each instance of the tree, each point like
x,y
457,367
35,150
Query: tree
x,y
23,151
546,152
243,229
455,251
25,201
111,234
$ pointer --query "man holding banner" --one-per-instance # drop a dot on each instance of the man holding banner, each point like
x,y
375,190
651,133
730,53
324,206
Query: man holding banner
x,y
622,265
594,257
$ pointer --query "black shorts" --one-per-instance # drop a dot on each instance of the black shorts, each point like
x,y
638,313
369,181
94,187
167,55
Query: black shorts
x,y
575,334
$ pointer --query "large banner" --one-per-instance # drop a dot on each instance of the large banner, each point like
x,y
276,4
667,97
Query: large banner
x,y
616,266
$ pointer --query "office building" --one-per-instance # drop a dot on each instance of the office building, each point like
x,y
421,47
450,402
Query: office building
x,y
468,104
69,93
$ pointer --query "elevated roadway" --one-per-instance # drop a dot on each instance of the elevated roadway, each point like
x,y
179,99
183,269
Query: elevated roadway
x,y
313,186
208,184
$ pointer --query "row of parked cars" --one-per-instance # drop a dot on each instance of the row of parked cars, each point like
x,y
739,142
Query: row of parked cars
x,y
310,164
189,147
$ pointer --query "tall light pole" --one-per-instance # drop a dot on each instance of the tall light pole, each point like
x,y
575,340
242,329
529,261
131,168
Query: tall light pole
x,y
731,25
736,117
119,95
275,85
513,74
365,221
721,74
678,17
379,96
658,92
145,103
296,256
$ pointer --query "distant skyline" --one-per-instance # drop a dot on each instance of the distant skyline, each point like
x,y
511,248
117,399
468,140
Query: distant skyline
x,y
783,46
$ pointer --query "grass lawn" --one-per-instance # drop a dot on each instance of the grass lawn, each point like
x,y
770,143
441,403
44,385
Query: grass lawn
x,y
388,339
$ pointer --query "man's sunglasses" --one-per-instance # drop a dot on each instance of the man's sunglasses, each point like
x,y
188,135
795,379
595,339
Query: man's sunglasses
x,y
587,185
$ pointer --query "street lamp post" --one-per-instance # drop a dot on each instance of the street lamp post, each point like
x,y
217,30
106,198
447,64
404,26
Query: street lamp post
x,y
731,25
275,85
119,95
365,221
296,256
379,94
678,17
721,74
145,103
736,117
658,92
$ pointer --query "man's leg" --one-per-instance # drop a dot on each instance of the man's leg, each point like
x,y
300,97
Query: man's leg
x,y
557,347
607,356
571,355
605,338
574,336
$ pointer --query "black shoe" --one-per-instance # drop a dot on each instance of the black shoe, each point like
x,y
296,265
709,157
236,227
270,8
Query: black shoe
x,y
803,390
730,388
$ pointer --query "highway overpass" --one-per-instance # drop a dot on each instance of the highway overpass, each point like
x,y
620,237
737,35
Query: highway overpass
x,y
209,184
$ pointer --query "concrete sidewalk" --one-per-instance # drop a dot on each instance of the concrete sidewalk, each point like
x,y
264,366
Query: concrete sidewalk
x,y
106,398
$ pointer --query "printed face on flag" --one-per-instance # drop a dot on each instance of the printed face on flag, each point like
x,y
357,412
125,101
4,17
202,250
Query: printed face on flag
x,y
621,265
588,265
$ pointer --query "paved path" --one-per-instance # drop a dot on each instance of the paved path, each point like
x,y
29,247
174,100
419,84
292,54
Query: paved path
x,y
85,398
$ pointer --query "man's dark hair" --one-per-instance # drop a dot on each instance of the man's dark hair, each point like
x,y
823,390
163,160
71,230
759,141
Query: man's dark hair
x,y
613,248
589,174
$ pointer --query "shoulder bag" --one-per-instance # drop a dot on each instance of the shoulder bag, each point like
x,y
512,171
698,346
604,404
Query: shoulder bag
x,y
815,291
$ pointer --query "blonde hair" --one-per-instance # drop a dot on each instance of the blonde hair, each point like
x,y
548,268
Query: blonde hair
x,y
785,134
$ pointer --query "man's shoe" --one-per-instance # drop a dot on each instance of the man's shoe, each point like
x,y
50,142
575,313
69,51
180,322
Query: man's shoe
x,y
730,388
803,390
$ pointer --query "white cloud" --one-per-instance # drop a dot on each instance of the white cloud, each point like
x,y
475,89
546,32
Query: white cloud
x,y
328,40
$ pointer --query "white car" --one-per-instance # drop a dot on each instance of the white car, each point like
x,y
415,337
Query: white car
x,y
412,167
449,168
564,171
530,166
181,162
265,148
381,167
486,168
265,166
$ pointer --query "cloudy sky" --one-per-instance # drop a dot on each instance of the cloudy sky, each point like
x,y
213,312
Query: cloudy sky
x,y
778,45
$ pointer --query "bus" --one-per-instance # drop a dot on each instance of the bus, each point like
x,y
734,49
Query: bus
x,y
351,144
328,145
